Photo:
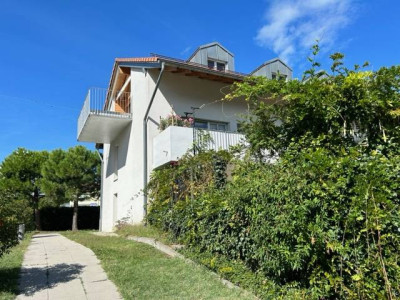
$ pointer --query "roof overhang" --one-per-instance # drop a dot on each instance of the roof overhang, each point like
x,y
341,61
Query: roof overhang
x,y
200,71
176,66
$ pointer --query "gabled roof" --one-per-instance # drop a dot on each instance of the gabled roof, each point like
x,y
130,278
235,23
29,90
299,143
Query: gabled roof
x,y
207,46
157,59
270,62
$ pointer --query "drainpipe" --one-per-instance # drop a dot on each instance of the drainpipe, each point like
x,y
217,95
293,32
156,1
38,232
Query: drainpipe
x,y
145,119
101,188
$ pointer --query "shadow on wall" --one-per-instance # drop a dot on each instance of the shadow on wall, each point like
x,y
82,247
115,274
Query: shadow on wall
x,y
35,279
117,160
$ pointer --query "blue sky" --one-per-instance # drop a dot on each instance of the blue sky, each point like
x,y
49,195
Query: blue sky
x,y
53,51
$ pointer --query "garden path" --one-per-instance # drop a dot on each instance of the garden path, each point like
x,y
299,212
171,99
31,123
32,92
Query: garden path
x,y
55,267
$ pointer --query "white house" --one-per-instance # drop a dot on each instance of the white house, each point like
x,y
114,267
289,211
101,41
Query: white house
x,y
124,119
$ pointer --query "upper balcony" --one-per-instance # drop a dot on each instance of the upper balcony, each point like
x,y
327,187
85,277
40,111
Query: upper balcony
x,y
104,114
173,142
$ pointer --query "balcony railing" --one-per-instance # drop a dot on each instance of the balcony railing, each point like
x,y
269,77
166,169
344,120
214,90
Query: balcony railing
x,y
104,103
216,140
174,141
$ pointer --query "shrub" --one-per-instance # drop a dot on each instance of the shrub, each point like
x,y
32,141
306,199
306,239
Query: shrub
x,y
327,224
8,235
12,212
174,120
323,221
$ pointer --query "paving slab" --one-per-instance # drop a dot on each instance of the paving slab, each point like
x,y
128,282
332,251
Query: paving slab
x,y
56,268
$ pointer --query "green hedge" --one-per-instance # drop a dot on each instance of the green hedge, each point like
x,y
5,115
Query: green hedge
x,y
8,235
60,218
316,224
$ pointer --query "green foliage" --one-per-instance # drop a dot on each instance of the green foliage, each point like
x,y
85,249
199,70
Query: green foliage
x,y
10,264
323,221
174,120
71,175
338,109
19,193
179,186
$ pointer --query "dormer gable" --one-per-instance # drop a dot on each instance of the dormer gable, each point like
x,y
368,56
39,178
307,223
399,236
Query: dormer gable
x,y
215,56
273,69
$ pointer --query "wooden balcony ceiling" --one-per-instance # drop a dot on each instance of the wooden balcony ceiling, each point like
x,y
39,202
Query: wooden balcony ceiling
x,y
198,74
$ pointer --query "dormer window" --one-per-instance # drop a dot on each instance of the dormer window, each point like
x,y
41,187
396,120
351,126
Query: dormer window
x,y
216,65
220,66
279,76
211,64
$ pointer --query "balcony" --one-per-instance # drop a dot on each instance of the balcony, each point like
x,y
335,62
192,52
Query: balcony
x,y
172,143
104,114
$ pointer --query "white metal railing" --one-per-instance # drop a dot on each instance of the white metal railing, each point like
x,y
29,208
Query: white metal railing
x,y
217,140
104,102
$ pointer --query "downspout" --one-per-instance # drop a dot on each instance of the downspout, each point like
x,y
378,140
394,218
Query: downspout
x,y
101,188
145,119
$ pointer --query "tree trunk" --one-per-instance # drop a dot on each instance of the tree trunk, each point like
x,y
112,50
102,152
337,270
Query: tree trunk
x,y
37,219
75,216
36,210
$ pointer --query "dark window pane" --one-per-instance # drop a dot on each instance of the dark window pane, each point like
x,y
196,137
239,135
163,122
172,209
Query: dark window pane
x,y
210,64
200,124
220,66
213,126
222,127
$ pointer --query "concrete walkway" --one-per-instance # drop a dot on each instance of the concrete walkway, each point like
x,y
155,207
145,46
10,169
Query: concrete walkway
x,y
56,268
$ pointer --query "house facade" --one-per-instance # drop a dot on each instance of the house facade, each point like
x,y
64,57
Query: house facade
x,y
124,120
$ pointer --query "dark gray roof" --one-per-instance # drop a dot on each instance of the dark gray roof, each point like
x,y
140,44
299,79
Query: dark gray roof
x,y
270,62
207,46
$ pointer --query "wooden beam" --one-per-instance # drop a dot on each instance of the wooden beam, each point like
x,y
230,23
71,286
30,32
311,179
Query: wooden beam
x,y
201,75
124,86
179,70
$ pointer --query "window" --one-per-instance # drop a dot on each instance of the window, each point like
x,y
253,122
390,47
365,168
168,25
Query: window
x,y
213,126
278,76
220,126
220,66
216,65
200,124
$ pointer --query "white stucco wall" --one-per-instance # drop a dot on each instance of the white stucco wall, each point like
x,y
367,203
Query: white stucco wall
x,y
176,92
171,144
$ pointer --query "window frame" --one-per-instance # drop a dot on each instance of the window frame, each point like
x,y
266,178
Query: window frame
x,y
210,123
215,64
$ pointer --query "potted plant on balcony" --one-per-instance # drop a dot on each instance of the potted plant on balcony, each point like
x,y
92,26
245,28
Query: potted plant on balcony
x,y
174,120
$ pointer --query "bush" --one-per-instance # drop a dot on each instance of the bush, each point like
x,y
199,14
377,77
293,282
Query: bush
x,y
12,212
323,221
315,222
8,235
60,218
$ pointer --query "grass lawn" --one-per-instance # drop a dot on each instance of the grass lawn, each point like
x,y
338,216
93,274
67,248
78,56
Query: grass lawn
x,y
142,272
10,264
144,231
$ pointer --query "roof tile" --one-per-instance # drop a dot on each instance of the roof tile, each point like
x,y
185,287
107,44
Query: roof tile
x,y
137,59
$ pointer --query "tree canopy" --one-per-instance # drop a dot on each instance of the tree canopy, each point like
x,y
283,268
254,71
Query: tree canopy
x,y
20,174
342,108
71,175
